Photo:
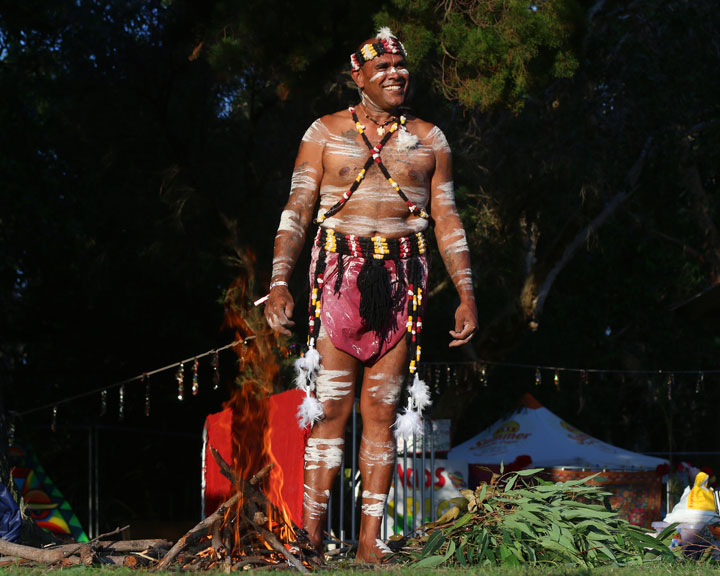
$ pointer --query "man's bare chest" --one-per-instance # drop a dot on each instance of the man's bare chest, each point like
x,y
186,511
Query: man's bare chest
x,y
345,155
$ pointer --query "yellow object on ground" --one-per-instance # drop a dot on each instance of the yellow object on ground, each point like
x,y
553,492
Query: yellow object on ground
x,y
701,497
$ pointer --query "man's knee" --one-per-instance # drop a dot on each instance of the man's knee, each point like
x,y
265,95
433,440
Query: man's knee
x,y
337,411
380,397
377,414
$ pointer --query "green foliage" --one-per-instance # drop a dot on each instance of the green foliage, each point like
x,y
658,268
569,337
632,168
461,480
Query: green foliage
x,y
521,519
489,54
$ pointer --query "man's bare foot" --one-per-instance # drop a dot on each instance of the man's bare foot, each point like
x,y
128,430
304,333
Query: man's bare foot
x,y
371,552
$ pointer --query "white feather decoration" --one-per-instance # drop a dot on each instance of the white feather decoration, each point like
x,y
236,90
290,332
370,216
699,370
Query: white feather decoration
x,y
310,411
420,394
384,33
407,424
383,547
312,359
303,378
405,140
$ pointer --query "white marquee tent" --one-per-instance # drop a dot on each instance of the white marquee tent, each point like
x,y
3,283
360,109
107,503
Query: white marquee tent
x,y
551,443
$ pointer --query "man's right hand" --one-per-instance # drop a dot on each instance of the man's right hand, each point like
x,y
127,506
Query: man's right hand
x,y
279,310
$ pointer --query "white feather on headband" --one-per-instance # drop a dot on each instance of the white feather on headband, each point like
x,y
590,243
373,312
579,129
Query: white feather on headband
x,y
384,33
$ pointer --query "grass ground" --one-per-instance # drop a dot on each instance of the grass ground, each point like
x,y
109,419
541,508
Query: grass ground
x,y
679,569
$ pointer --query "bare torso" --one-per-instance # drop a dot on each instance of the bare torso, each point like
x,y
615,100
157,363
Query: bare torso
x,y
375,208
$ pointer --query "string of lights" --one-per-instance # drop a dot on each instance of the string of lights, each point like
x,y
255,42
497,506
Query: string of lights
x,y
144,377
479,368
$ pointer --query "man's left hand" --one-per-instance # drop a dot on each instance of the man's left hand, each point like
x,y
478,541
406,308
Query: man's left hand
x,y
466,324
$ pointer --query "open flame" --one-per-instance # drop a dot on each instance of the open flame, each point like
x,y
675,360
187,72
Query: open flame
x,y
250,402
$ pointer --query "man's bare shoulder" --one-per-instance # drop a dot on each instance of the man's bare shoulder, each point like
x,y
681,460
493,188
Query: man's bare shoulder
x,y
418,126
327,127
428,133
337,121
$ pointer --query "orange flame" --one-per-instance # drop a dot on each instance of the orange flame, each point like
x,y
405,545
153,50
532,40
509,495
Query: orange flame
x,y
250,401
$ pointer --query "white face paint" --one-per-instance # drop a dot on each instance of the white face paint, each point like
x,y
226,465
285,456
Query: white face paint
x,y
378,76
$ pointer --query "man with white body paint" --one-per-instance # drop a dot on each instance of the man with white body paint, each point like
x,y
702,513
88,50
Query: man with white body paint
x,y
369,238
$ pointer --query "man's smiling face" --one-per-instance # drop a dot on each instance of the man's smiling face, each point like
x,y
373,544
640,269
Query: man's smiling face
x,y
384,80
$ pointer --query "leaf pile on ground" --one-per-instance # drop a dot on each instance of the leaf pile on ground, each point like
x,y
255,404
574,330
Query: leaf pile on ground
x,y
519,519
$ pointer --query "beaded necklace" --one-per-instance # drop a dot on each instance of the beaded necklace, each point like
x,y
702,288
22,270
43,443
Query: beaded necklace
x,y
380,126
374,157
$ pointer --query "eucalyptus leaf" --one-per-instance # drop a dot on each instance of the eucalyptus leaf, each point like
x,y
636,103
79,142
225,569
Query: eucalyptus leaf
x,y
430,562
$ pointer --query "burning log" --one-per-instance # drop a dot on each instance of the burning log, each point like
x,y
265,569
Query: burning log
x,y
202,528
240,524
258,518
251,493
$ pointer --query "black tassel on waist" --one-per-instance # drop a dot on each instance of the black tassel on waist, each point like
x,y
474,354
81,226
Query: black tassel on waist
x,y
376,297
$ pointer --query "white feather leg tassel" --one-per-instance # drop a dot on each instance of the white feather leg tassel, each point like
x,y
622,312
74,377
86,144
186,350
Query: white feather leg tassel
x,y
407,424
306,370
301,374
312,360
383,547
420,394
310,411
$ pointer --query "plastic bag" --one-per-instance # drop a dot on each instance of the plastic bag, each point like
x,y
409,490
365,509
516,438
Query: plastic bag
x,y
10,517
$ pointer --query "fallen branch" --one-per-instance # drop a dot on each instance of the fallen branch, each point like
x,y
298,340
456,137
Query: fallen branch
x,y
120,546
35,554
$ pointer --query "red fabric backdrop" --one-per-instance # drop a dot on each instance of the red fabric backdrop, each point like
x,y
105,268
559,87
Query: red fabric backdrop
x,y
288,447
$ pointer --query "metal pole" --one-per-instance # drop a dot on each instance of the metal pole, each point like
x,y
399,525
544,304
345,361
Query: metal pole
x,y
329,512
91,502
415,482
203,469
354,471
405,486
423,479
433,511
396,495
97,482
341,531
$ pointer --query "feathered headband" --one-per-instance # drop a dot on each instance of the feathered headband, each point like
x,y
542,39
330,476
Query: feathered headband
x,y
387,43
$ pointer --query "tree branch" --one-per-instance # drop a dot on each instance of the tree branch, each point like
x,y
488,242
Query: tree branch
x,y
570,250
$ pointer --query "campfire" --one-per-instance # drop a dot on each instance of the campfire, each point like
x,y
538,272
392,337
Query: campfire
x,y
253,527
247,531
